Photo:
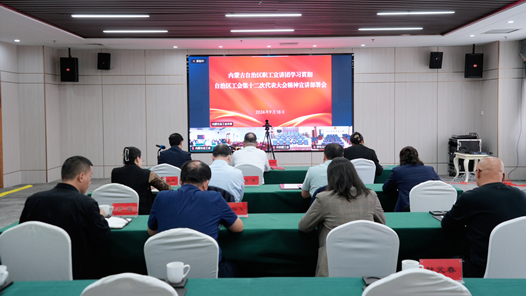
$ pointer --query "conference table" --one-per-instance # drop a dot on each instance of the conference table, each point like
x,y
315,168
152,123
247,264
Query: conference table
x,y
290,286
296,174
272,245
270,198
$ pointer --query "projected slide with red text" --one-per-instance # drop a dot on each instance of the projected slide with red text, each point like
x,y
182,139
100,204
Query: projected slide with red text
x,y
286,90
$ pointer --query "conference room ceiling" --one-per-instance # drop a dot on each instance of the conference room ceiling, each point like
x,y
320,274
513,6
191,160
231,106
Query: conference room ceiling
x,y
205,19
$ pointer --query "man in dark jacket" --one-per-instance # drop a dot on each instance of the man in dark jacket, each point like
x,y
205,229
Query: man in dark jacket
x,y
175,155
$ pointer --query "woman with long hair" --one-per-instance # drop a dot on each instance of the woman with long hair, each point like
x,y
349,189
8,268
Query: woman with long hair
x,y
410,173
346,199
133,175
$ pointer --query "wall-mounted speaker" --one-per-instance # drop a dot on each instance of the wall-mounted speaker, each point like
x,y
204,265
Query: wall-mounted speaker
x,y
103,61
473,65
69,69
435,60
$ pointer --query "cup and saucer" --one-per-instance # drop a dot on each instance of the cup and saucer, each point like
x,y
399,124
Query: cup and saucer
x,y
176,276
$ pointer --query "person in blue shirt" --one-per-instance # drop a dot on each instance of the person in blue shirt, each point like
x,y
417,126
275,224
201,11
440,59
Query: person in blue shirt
x,y
192,206
223,175
175,156
410,173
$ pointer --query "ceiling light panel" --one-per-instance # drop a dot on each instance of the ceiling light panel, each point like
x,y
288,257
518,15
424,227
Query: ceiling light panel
x,y
135,31
390,29
261,31
263,15
109,15
415,12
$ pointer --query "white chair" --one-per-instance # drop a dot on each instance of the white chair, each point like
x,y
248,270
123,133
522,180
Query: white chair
x,y
432,196
416,282
36,251
250,170
192,247
507,244
114,193
365,169
129,284
167,170
362,248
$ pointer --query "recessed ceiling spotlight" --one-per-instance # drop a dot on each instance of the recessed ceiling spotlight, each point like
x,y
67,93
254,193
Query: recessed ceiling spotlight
x,y
220,46
269,46
471,35
510,22
109,15
17,40
315,46
362,45
390,29
414,12
135,31
175,46
263,14
258,31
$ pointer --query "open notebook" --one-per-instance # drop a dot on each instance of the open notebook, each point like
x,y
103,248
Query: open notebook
x,y
118,222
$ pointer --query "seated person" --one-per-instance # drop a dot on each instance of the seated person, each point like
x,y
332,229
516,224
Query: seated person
x,y
480,210
317,176
67,207
175,156
346,199
192,206
403,178
250,154
134,176
223,175
358,150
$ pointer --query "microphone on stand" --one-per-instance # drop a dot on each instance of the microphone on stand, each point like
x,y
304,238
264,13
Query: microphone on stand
x,y
161,146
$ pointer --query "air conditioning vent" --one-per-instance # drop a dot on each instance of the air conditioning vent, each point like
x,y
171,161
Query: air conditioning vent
x,y
288,43
500,31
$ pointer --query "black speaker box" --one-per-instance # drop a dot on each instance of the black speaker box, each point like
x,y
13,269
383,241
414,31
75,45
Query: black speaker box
x,y
103,61
474,65
435,60
69,69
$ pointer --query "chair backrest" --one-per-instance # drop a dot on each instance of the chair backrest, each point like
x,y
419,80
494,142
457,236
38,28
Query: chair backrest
x,y
362,248
36,251
250,170
507,243
167,170
192,247
321,189
129,284
229,197
416,282
432,196
365,169
115,194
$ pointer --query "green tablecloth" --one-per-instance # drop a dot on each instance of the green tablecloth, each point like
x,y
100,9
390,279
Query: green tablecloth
x,y
296,174
268,286
272,199
271,244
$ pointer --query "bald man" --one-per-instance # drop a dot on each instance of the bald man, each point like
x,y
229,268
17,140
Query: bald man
x,y
481,209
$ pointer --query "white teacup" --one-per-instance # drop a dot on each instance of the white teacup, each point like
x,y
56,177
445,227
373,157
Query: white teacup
x,y
108,210
175,271
3,274
408,264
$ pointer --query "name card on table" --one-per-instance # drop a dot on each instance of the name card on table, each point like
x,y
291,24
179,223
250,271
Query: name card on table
x,y
125,209
272,162
173,181
251,180
240,208
451,268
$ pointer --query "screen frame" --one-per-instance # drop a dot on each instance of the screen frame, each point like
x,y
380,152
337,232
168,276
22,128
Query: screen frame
x,y
258,55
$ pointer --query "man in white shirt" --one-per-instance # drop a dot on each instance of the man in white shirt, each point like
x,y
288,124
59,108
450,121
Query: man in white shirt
x,y
250,154
223,175
317,176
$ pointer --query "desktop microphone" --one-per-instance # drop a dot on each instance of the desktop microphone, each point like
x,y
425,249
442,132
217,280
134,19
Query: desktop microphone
x,y
161,146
